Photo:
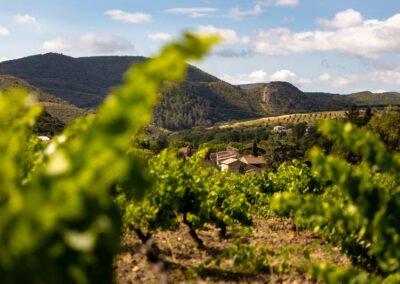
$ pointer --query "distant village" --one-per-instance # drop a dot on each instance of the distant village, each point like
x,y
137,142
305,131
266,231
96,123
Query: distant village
x,y
231,159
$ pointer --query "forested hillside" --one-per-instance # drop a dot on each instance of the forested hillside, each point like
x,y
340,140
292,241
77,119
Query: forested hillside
x,y
200,100
83,81
57,112
187,104
369,98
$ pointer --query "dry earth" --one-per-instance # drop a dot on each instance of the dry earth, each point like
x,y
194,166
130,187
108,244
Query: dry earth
x,y
185,263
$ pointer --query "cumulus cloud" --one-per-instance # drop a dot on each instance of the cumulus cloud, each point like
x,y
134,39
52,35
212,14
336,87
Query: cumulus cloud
x,y
90,43
24,19
159,36
260,76
390,77
369,39
228,36
289,76
344,19
134,18
237,14
4,31
198,12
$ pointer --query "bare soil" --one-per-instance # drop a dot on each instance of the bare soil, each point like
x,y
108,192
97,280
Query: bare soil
x,y
183,262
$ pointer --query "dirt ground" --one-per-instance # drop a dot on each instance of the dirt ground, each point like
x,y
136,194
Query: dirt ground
x,y
185,263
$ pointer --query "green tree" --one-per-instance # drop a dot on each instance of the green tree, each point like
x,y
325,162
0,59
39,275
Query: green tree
x,y
367,116
353,115
388,128
255,149
241,169
299,130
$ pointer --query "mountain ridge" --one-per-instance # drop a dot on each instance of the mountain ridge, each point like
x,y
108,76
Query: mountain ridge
x,y
82,81
200,100
54,106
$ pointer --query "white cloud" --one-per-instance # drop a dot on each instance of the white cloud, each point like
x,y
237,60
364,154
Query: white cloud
x,y
237,14
391,77
260,76
228,36
291,3
135,18
325,77
2,58
380,91
369,40
198,12
4,31
159,36
24,19
90,43
288,76
344,19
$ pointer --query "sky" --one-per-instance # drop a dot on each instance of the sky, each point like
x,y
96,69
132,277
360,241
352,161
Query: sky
x,y
339,46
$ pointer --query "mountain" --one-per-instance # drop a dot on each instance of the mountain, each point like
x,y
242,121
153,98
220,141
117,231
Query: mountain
x,y
83,81
251,86
278,98
200,100
57,113
55,107
368,98
282,98
188,104
328,101
9,82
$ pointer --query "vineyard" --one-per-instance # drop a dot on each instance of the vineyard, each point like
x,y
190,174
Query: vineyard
x,y
290,118
91,208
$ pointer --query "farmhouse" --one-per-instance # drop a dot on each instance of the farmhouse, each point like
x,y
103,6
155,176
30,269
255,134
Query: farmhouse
x,y
231,164
233,150
258,162
225,155
234,161
280,128
236,165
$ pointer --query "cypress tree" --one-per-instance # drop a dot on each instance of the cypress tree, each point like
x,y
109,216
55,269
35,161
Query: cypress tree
x,y
255,149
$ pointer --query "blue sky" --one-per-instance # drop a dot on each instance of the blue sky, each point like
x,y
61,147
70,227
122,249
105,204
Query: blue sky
x,y
337,46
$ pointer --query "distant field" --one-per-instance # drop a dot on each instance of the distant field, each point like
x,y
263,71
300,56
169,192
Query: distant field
x,y
289,118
